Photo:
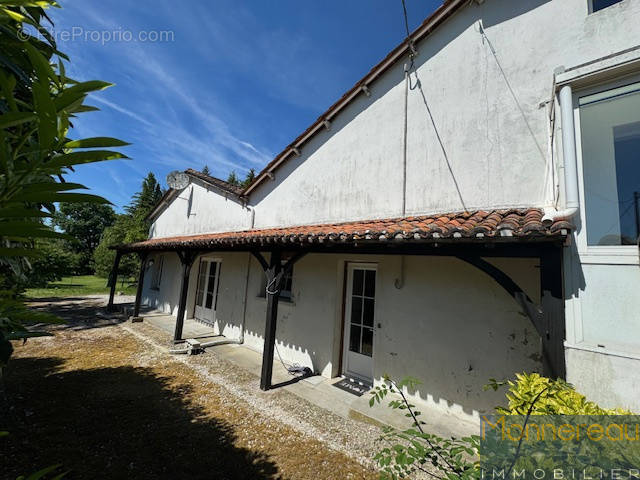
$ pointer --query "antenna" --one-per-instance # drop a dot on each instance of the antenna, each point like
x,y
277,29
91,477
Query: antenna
x,y
177,180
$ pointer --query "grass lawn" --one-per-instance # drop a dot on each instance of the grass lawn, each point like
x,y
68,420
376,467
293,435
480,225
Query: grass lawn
x,y
80,285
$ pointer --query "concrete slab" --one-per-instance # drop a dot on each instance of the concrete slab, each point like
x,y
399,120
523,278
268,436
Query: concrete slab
x,y
191,328
319,390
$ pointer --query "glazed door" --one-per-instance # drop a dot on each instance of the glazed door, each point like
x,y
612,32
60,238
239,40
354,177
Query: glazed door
x,y
207,290
359,321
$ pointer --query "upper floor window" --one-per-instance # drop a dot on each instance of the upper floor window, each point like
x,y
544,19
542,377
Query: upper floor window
x,y
610,129
600,4
156,277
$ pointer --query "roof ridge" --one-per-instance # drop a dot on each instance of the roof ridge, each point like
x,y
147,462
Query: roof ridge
x,y
214,181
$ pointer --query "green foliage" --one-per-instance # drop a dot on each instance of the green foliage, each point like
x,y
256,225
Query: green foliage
x,y
146,199
84,223
413,450
233,178
548,397
130,227
251,176
38,103
54,261
126,229
206,171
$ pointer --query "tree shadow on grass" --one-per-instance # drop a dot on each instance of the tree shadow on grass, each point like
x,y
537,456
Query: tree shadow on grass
x,y
78,313
114,423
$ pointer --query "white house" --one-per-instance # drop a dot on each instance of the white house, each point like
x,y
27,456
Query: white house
x,y
460,214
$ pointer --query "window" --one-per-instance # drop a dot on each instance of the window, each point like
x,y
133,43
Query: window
x,y
610,129
156,278
600,4
287,286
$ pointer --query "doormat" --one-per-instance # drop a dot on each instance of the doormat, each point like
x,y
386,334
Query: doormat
x,y
354,387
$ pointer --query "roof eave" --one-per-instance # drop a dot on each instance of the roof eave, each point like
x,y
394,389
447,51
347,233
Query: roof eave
x,y
447,9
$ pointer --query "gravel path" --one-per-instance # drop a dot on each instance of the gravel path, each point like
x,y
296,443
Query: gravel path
x,y
190,407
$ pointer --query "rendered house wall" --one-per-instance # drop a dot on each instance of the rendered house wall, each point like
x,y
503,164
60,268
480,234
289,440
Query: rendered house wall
x,y
200,209
496,146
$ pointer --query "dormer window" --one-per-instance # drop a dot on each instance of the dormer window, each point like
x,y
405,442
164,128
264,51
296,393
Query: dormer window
x,y
597,5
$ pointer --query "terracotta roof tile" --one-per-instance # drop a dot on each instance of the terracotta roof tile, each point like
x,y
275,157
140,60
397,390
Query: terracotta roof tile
x,y
522,224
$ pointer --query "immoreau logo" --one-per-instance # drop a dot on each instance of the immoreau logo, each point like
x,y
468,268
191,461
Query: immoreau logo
x,y
559,447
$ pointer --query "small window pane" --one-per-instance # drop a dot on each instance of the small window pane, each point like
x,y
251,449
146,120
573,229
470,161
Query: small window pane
x,y
358,280
354,339
356,310
202,277
367,315
367,341
211,285
370,283
600,4
610,129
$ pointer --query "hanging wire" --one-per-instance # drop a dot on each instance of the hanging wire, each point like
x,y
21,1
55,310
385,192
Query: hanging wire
x,y
412,48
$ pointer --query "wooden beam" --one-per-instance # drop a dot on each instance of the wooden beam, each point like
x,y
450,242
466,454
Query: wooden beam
x,y
274,281
186,259
553,312
136,306
113,279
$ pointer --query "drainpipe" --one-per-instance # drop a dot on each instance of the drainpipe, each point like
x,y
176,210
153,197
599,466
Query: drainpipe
x,y
570,162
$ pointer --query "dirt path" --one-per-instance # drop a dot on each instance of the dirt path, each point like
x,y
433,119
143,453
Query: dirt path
x,y
107,402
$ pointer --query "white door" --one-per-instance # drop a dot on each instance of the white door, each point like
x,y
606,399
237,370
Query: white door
x,y
359,321
207,290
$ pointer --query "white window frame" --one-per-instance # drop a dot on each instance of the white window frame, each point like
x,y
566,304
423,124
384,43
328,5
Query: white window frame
x,y
613,254
156,275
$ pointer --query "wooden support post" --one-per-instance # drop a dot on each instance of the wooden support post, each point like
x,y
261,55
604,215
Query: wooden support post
x,y
186,258
113,279
274,280
553,312
136,306
275,272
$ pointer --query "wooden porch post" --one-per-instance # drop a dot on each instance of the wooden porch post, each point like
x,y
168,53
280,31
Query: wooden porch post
x,y
186,258
553,311
274,280
114,279
275,272
136,306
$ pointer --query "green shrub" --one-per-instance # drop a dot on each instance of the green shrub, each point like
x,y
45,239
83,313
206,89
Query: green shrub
x,y
413,451
549,397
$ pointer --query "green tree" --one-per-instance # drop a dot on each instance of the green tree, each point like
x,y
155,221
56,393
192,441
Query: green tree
x,y
251,176
233,179
206,171
124,230
38,103
85,222
132,226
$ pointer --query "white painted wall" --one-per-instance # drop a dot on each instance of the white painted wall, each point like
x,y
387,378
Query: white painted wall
x,y
449,322
497,146
200,209
494,153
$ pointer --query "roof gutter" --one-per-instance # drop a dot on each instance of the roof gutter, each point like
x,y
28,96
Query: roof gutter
x,y
362,87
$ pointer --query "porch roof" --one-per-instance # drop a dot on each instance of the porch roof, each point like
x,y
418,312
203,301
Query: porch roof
x,y
513,225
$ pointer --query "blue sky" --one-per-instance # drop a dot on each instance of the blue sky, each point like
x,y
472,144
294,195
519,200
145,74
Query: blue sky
x,y
230,85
